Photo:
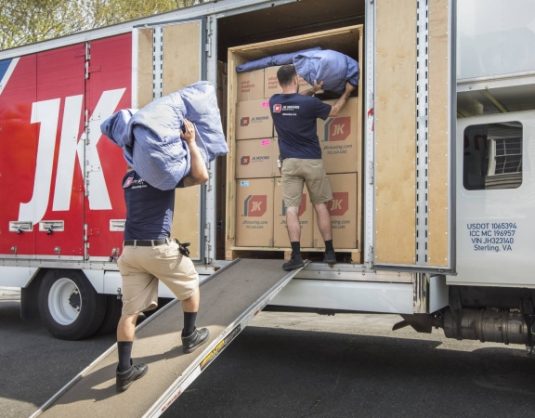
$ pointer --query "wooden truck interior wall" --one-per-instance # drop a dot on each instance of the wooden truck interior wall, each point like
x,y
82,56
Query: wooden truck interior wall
x,y
274,23
176,75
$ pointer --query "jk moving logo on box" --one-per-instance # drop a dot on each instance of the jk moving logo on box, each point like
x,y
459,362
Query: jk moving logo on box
x,y
255,205
302,206
340,204
337,128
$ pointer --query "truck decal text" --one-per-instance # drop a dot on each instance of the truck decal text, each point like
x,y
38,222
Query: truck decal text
x,y
46,113
492,236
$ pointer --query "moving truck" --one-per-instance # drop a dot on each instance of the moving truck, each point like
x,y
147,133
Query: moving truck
x,y
434,188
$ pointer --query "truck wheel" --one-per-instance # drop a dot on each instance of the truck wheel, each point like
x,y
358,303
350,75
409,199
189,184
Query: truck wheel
x,y
69,306
113,313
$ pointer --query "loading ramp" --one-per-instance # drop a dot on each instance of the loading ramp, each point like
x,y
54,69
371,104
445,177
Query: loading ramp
x,y
229,300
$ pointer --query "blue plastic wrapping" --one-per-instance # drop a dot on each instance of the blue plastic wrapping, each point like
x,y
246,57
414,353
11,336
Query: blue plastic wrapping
x,y
116,128
331,67
279,59
152,142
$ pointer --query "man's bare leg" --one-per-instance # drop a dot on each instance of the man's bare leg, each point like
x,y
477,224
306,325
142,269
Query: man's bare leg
x,y
324,225
126,371
191,336
294,233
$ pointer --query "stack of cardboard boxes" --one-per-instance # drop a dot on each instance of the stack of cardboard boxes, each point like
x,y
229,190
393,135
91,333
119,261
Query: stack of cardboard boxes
x,y
256,163
260,210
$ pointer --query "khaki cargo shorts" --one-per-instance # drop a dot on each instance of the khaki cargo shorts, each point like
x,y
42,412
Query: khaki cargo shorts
x,y
296,172
141,269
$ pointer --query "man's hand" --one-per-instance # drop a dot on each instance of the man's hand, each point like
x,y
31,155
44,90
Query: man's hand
x,y
314,89
342,100
188,134
317,86
198,173
349,87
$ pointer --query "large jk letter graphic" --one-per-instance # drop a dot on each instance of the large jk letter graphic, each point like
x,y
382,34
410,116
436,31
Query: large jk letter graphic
x,y
47,114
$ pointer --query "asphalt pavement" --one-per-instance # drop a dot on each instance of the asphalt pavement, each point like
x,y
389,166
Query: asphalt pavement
x,y
297,365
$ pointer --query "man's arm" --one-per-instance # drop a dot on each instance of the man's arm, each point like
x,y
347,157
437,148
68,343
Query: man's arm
x,y
198,173
342,100
313,90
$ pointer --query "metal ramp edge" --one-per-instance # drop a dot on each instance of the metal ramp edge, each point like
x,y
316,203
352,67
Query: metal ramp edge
x,y
253,283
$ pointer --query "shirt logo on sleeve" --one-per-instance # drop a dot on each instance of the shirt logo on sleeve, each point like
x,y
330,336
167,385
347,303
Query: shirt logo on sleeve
x,y
128,182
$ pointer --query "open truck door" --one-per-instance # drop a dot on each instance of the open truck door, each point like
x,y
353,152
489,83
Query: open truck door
x,y
168,57
411,106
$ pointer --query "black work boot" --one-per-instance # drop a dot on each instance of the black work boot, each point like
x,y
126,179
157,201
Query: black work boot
x,y
329,257
195,339
125,378
294,263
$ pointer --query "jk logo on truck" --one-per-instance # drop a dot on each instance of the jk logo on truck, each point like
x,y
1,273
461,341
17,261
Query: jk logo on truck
x,y
255,205
337,129
244,160
340,203
71,146
244,121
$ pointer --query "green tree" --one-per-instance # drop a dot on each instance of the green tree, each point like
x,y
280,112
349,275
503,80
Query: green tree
x,y
106,12
27,21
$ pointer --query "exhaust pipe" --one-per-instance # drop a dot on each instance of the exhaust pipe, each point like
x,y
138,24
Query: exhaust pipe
x,y
487,326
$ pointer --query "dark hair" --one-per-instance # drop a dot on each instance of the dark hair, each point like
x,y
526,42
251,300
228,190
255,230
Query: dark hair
x,y
285,74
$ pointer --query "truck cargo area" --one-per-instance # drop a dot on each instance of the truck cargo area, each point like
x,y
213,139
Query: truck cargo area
x,y
256,34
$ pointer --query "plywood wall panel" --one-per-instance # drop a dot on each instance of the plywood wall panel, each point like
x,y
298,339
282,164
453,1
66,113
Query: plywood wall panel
x,y
438,134
395,132
182,66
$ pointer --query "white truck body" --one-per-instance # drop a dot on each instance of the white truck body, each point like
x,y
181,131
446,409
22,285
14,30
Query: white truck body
x,y
494,82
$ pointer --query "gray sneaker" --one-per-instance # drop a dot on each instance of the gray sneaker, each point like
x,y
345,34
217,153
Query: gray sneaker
x,y
195,339
125,378
293,263
329,258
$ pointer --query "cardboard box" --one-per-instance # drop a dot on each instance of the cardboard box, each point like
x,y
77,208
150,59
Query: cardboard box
x,y
340,139
344,213
272,86
253,120
306,219
256,158
254,213
251,85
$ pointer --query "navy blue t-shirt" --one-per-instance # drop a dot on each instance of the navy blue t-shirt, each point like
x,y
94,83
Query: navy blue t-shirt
x,y
294,116
149,211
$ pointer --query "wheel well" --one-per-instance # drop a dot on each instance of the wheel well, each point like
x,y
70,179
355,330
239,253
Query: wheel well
x,y
29,296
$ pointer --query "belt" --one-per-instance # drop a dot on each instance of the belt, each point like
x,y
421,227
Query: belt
x,y
145,242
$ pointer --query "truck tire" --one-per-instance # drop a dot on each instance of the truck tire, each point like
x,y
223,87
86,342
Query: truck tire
x,y
113,313
69,306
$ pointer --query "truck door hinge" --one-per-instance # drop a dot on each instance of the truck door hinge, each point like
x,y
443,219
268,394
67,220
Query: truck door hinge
x,y
371,251
207,244
208,45
87,59
371,173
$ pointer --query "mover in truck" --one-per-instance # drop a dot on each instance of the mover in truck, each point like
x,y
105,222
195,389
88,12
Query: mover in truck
x,y
430,162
